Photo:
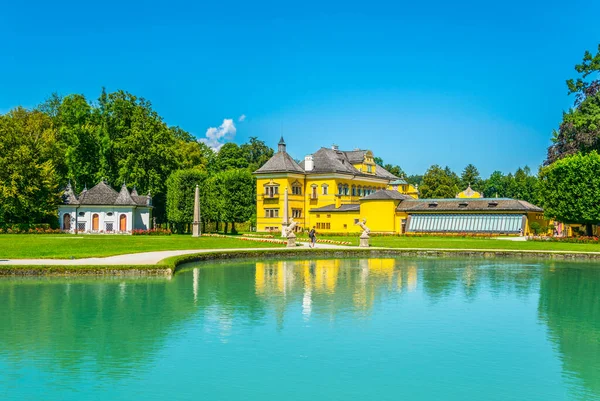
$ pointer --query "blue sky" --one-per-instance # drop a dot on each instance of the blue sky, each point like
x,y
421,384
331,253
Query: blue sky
x,y
418,83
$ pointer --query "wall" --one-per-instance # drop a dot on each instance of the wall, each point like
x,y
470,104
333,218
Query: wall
x,y
380,215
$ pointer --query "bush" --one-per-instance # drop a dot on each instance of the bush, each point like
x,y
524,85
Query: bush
x,y
571,240
153,231
25,228
535,227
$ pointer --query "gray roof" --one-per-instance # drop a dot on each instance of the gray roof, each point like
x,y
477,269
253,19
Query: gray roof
x,y
381,172
342,208
102,194
337,161
467,205
386,194
69,197
356,156
124,197
281,162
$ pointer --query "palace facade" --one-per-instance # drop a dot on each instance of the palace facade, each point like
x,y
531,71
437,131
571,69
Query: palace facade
x,y
332,190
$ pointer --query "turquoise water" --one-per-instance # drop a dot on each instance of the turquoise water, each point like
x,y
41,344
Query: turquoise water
x,y
380,329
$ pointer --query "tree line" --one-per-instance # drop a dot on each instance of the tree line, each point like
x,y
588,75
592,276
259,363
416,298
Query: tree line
x,y
442,182
119,138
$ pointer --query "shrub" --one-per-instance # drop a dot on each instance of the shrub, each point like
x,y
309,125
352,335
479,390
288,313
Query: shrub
x,y
153,231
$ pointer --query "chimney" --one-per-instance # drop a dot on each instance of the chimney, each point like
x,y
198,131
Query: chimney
x,y
334,147
309,163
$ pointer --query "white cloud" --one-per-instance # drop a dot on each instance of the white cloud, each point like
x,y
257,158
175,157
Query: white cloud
x,y
242,118
216,137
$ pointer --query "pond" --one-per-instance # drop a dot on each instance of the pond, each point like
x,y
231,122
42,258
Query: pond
x,y
350,329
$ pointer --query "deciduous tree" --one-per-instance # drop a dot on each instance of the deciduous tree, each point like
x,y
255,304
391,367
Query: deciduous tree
x,y
570,189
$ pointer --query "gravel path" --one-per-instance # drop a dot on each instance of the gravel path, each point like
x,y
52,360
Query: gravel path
x,y
144,258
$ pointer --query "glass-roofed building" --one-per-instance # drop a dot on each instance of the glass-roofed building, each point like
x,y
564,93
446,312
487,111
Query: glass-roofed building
x,y
476,215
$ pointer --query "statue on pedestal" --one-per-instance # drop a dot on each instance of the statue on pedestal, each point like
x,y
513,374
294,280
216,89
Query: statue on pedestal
x,y
364,237
289,233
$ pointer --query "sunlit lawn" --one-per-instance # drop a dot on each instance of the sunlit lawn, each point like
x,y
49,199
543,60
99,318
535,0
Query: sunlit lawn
x,y
467,243
13,246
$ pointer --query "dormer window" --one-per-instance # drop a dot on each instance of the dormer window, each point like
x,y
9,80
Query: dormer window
x,y
369,168
463,204
493,204
433,204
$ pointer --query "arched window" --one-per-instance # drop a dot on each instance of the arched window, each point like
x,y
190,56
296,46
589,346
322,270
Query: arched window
x,y
67,222
346,190
340,189
123,223
95,222
325,189
353,190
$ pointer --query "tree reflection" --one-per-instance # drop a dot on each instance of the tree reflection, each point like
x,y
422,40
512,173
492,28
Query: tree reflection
x,y
570,306
118,324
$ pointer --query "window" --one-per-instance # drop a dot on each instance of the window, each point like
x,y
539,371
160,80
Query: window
x,y
340,189
346,190
271,191
109,214
109,227
353,190
296,190
81,214
325,188
271,213
81,226
318,216
313,194
328,216
296,213
323,226
369,168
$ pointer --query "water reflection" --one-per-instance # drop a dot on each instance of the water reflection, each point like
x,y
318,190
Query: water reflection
x,y
570,306
115,329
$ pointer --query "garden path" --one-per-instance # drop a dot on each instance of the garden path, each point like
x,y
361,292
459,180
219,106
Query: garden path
x,y
143,258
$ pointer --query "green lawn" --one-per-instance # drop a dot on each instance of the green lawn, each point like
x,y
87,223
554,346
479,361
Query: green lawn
x,y
468,243
13,246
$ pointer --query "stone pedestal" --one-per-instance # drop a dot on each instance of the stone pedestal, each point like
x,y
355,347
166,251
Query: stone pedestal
x,y
291,240
195,229
364,241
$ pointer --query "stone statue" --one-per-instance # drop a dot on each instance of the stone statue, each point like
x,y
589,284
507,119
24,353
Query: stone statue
x,y
289,230
362,225
364,237
289,233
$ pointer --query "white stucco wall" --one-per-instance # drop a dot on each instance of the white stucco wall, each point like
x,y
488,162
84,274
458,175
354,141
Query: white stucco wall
x,y
137,218
142,218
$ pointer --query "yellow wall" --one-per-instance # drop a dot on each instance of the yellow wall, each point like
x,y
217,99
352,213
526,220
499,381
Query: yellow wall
x,y
266,202
380,215
306,202
538,217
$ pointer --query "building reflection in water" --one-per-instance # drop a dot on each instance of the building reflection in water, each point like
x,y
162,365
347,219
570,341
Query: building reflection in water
x,y
326,286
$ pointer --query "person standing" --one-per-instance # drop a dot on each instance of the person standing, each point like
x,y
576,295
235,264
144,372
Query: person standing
x,y
312,235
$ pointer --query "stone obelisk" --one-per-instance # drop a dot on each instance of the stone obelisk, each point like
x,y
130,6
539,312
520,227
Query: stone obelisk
x,y
285,221
196,223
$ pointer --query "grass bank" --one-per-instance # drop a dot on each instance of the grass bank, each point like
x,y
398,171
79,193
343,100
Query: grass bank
x,y
66,246
172,265
466,243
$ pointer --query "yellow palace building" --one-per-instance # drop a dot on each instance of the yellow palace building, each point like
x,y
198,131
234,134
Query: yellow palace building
x,y
332,190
